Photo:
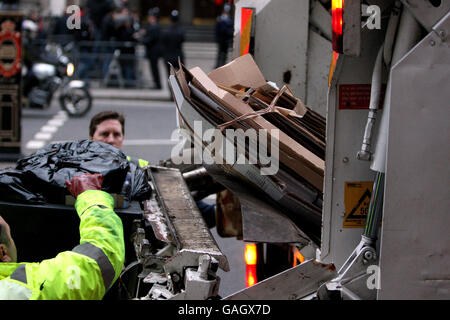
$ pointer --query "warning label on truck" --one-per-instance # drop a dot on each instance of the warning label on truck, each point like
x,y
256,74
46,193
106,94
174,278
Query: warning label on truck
x,y
357,199
357,96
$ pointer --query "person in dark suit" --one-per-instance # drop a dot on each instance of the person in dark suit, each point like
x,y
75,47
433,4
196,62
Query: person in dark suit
x,y
98,10
151,38
224,36
125,33
172,40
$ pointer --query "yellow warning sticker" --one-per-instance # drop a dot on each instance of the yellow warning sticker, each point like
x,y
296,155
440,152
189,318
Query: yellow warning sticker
x,y
357,199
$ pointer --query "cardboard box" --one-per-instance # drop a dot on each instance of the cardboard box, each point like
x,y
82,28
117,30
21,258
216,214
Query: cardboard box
x,y
243,72
282,188
292,154
239,73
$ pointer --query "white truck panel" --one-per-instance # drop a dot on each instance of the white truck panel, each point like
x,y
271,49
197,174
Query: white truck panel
x,y
281,40
345,130
415,254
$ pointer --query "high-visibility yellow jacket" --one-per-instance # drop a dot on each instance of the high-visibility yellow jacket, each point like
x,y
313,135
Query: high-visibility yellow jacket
x,y
139,162
86,272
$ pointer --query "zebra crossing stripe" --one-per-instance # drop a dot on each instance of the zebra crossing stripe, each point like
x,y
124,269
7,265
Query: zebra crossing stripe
x,y
42,137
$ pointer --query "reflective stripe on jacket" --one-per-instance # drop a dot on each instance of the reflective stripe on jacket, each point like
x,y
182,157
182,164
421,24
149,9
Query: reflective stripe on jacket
x,y
86,272
138,162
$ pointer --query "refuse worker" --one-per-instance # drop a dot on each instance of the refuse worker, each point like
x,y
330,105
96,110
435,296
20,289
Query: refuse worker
x,y
109,127
86,272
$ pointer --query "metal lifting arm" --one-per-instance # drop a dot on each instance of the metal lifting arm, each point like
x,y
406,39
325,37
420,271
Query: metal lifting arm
x,y
384,55
350,282
375,93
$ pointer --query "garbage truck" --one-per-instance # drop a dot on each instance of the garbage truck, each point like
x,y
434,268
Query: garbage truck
x,y
377,70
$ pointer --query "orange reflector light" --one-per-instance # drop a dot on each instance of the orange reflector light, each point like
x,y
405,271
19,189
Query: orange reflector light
x,y
250,275
250,254
332,66
246,30
337,25
298,257
251,258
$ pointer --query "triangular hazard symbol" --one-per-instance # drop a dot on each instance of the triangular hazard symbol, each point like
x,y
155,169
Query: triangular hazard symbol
x,y
355,213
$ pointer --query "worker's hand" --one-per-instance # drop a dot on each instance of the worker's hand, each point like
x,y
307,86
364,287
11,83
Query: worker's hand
x,y
87,181
4,257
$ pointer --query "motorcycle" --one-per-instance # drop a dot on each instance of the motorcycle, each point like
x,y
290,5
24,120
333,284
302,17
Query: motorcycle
x,y
54,71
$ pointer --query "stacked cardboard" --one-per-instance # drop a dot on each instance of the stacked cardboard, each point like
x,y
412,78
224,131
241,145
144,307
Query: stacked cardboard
x,y
237,96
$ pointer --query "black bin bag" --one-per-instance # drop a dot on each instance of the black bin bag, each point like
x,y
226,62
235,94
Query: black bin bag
x,y
138,189
44,173
13,188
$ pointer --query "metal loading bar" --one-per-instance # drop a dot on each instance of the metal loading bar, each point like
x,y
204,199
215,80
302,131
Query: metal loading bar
x,y
189,231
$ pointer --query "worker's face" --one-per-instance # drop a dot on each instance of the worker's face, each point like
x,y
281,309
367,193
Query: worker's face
x,y
110,132
8,253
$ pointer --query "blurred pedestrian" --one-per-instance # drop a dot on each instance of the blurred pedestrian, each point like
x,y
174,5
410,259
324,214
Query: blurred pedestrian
x,y
36,18
172,40
98,10
224,35
61,34
125,34
151,38
83,38
31,52
12,5
105,47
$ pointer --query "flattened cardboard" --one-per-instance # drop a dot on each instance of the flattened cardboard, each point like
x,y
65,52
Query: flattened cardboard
x,y
294,155
239,73
286,192
243,72
257,211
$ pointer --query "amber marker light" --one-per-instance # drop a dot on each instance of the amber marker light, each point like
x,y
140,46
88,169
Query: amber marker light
x,y
337,25
251,258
